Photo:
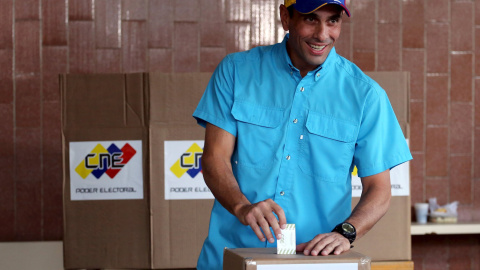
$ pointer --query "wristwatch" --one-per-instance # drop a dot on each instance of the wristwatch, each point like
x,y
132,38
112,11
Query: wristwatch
x,y
347,230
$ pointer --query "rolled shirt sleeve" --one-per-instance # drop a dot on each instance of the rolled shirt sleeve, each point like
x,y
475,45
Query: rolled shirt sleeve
x,y
381,144
216,103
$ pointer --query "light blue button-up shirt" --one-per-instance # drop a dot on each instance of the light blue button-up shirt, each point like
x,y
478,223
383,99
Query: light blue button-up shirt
x,y
297,140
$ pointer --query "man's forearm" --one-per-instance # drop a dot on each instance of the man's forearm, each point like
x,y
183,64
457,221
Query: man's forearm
x,y
373,204
219,178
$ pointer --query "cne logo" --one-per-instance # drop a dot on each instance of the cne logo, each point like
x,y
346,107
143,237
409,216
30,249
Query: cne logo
x,y
107,161
355,171
189,162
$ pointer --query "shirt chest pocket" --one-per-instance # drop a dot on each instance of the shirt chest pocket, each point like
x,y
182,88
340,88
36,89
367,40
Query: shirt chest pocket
x,y
258,133
328,147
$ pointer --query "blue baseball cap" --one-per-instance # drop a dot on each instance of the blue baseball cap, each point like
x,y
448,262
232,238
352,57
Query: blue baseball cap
x,y
309,6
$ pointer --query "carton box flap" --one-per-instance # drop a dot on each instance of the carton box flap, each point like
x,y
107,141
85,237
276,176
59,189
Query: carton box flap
x,y
136,99
252,257
102,100
174,96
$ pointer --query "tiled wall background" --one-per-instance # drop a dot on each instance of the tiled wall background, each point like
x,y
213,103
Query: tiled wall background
x,y
438,41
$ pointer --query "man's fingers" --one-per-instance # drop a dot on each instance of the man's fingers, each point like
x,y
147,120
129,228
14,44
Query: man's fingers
x,y
273,222
323,247
268,207
256,229
301,247
340,249
266,230
252,219
276,224
337,247
326,249
282,220
325,244
261,218
312,244
257,217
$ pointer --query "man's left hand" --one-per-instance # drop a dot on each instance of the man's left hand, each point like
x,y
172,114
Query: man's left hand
x,y
325,244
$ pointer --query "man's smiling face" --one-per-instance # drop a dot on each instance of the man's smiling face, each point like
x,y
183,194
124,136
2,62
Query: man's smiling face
x,y
312,36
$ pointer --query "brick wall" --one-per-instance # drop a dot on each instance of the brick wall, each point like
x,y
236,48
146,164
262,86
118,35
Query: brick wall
x,y
436,40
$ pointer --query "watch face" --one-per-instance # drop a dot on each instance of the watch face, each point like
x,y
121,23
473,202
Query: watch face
x,y
347,228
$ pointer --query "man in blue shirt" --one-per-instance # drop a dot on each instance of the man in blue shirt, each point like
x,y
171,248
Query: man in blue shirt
x,y
285,126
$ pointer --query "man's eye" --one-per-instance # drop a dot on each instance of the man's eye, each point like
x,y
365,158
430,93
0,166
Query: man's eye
x,y
310,19
333,21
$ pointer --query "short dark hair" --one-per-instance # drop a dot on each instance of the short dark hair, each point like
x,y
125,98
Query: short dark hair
x,y
290,11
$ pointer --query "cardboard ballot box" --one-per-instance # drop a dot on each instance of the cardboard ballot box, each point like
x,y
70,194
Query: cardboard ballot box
x,y
116,129
267,259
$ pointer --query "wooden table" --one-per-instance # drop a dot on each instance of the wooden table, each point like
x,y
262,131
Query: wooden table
x,y
393,265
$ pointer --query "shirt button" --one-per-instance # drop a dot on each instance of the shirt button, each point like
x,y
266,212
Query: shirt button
x,y
288,157
236,162
301,137
302,89
295,121
318,75
282,193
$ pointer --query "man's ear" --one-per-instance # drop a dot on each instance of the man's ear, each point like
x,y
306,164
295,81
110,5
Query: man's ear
x,y
284,17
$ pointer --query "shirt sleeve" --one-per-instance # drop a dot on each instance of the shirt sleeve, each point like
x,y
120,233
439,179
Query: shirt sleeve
x,y
381,144
216,103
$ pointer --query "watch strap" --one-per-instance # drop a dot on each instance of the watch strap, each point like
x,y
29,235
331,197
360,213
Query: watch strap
x,y
350,236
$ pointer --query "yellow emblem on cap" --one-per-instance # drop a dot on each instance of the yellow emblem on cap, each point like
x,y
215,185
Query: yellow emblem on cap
x,y
289,2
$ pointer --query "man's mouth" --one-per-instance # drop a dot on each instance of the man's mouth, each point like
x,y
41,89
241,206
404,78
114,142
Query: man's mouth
x,y
317,47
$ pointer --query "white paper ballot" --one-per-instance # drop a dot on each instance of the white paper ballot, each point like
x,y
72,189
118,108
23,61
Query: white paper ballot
x,y
287,244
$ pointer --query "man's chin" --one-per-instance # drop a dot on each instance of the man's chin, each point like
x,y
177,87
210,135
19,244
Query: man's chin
x,y
317,62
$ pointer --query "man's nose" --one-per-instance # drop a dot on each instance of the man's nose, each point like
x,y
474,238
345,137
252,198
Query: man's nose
x,y
321,32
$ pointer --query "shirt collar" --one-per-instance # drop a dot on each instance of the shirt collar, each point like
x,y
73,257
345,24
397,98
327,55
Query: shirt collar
x,y
331,58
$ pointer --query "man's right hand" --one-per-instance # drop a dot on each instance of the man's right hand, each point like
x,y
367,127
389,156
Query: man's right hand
x,y
260,217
